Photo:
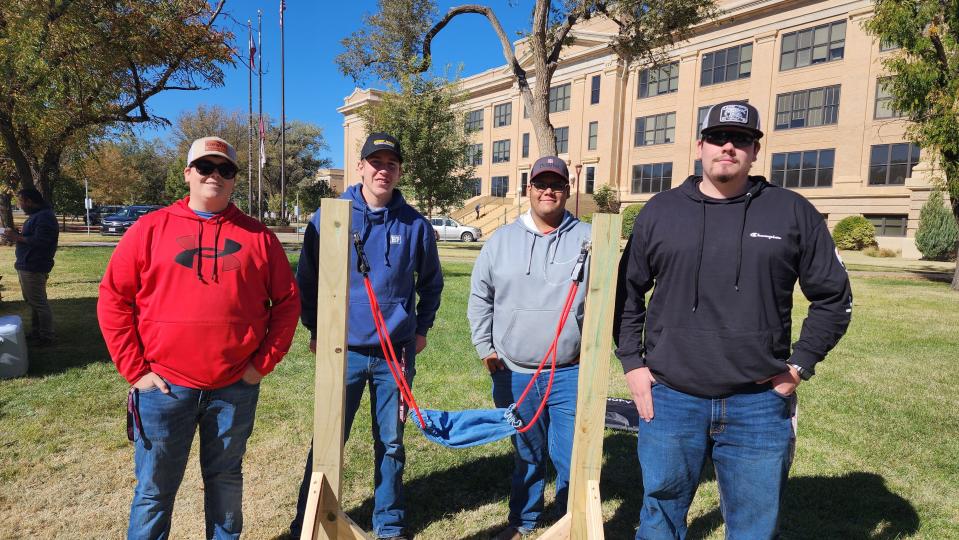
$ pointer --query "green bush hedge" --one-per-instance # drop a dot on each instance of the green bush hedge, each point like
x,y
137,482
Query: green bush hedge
x,y
854,232
937,235
629,217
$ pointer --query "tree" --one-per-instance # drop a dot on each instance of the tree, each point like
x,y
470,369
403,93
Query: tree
x,y
937,234
124,171
398,39
69,201
925,79
421,114
74,68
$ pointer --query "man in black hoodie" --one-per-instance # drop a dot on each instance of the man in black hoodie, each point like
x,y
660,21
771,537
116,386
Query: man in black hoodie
x,y
709,362
36,246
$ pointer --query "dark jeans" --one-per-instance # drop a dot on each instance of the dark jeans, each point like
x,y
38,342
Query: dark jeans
x,y
225,419
748,437
367,368
33,285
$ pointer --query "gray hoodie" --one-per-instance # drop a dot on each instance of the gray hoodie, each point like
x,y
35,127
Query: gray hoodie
x,y
520,283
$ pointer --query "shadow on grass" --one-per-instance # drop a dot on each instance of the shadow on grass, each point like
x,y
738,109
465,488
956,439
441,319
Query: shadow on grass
x,y
78,336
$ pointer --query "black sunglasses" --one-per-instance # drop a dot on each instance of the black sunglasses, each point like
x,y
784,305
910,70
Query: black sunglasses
x,y
227,170
720,138
543,186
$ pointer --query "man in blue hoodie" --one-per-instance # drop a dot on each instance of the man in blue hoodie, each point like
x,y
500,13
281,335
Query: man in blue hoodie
x,y
400,247
708,362
36,246
513,312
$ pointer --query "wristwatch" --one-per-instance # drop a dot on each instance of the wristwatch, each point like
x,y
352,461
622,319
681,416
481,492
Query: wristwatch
x,y
804,373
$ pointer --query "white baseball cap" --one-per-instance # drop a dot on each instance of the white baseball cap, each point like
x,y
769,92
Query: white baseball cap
x,y
211,146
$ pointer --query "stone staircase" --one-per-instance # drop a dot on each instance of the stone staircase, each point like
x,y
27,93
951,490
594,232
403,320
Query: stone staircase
x,y
498,211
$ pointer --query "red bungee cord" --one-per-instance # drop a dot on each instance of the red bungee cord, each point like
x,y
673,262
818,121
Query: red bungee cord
x,y
386,343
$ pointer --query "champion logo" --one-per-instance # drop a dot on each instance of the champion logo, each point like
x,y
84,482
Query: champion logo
x,y
766,236
191,252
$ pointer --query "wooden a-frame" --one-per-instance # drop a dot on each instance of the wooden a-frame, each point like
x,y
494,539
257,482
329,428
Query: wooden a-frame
x,y
324,518
584,514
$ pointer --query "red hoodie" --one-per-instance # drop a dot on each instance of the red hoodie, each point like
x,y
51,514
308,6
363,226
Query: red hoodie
x,y
197,317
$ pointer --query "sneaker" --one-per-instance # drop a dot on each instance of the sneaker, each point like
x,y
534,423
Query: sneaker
x,y
509,533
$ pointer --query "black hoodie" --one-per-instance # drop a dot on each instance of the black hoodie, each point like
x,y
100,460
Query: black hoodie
x,y
724,270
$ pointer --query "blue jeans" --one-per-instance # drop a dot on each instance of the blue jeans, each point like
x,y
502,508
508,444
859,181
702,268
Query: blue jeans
x,y
551,436
367,367
225,418
748,437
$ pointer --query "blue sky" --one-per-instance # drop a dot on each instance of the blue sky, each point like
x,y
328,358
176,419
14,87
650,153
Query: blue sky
x,y
314,86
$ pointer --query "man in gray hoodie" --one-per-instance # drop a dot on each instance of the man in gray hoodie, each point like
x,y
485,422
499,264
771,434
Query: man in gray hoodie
x,y
519,286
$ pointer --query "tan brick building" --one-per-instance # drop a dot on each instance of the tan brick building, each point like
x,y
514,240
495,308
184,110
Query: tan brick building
x,y
808,66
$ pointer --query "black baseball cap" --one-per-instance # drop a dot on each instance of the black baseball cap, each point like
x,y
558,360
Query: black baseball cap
x,y
381,141
549,164
732,114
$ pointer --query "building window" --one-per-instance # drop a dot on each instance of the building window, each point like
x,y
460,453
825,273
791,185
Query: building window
x,y
561,135
499,186
525,111
659,80
700,118
502,114
884,100
891,164
807,108
590,179
698,167
593,136
594,90
807,169
652,177
477,186
525,148
823,43
657,129
524,184
474,120
559,98
501,151
887,45
727,65
888,225
474,154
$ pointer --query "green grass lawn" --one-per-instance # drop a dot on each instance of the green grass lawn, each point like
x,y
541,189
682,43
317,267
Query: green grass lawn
x,y
878,435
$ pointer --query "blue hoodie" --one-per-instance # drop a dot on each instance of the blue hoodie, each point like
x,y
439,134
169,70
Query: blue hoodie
x,y
398,243
41,232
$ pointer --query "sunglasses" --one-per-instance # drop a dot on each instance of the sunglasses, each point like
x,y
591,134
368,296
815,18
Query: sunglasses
x,y
543,186
227,170
720,138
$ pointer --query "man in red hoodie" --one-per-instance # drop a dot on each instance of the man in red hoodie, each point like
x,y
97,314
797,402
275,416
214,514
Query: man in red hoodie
x,y
197,305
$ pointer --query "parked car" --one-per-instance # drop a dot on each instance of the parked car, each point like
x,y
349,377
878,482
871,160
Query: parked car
x,y
97,213
447,228
119,223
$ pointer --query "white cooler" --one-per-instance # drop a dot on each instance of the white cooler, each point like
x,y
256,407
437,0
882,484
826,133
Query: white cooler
x,y
13,347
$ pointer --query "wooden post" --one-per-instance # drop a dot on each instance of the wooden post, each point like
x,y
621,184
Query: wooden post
x,y
324,518
584,516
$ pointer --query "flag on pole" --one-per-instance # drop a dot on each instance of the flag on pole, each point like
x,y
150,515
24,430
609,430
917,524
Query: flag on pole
x,y
252,50
262,144
282,9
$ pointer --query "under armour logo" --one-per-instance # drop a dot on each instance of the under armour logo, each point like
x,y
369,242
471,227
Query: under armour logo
x,y
191,252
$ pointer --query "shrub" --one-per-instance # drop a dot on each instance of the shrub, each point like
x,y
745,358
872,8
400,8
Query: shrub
x,y
629,217
586,218
937,235
876,251
605,198
854,232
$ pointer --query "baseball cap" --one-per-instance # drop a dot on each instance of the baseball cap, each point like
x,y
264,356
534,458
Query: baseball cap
x,y
551,164
211,146
381,141
733,114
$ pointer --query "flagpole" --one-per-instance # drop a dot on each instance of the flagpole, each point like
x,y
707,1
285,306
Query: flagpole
x,y
259,182
282,116
249,131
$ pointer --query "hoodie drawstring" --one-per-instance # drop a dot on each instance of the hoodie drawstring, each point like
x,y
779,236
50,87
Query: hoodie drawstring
x,y
216,251
389,227
199,251
529,256
742,232
699,261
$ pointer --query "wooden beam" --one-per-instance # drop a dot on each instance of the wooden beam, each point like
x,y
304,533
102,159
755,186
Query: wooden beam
x,y
584,519
324,519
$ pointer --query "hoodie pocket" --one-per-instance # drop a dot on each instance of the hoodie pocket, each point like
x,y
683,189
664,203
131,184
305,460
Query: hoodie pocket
x,y
530,333
362,330
713,362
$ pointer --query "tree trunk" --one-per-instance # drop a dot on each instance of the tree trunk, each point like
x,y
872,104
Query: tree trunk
x,y
6,210
954,201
